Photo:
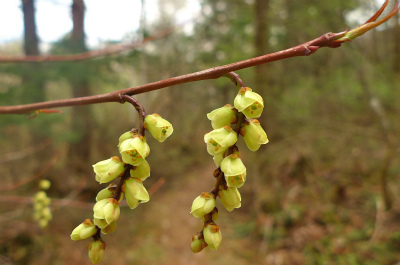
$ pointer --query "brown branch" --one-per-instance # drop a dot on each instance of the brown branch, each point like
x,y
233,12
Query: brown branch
x,y
117,48
212,73
332,40
25,152
37,175
54,202
70,202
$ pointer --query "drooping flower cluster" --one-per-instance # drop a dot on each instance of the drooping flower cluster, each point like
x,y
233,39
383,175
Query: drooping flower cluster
x,y
41,205
132,169
228,123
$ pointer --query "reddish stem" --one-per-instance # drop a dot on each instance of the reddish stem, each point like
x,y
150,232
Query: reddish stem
x,y
212,73
140,110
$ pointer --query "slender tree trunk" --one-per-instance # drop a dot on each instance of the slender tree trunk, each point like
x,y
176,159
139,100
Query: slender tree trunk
x,y
78,30
31,46
261,39
80,151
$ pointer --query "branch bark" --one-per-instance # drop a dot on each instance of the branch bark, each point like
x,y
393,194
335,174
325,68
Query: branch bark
x,y
212,73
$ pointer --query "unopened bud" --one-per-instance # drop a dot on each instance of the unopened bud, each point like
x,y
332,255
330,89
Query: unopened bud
x,y
198,243
108,170
212,235
96,250
203,204
159,128
84,230
44,184
249,103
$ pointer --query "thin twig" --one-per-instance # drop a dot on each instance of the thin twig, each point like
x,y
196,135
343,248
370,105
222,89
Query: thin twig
x,y
37,175
117,48
25,152
139,108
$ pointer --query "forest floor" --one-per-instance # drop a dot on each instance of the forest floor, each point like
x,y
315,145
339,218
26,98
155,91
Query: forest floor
x,y
160,231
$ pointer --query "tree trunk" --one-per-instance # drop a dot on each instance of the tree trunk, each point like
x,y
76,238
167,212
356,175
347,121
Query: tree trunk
x,y
31,46
261,39
79,151
78,30
31,77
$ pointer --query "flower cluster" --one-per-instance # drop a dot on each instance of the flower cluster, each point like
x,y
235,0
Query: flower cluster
x,y
132,169
41,205
228,123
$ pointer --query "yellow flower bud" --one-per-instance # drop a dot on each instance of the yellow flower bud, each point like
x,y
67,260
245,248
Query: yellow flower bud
x,y
224,116
108,170
230,198
253,135
44,184
84,230
134,150
159,128
249,103
135,192
212,235
142,171
219,140
203,204
96,250
107,209
234,171
198,243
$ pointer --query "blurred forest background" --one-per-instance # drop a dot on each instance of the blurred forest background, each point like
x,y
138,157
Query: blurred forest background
x,y
323,191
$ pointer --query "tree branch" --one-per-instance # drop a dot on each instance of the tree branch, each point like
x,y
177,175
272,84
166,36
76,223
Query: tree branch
x,y
332,40
117,48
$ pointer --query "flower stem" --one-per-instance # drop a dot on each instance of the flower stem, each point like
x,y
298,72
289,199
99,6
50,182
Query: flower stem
x,y
234,77
140,110
97,236
126,175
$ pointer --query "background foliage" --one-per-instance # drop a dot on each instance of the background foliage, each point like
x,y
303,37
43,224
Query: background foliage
x,y
323,191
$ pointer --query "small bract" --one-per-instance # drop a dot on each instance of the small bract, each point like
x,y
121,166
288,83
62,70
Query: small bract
x,y
109,228
159,128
